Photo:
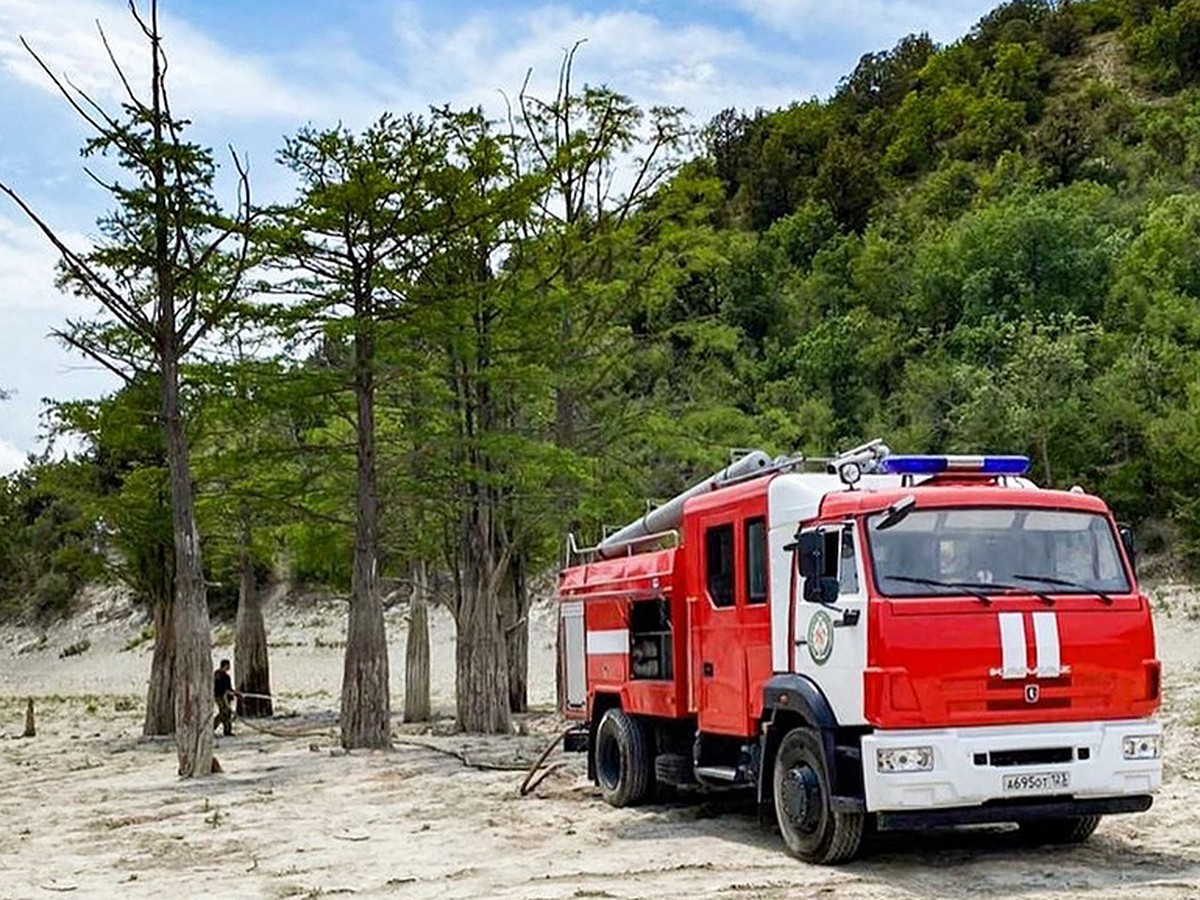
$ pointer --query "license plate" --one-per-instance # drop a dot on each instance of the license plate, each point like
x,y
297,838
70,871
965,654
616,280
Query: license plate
x,y
1037,783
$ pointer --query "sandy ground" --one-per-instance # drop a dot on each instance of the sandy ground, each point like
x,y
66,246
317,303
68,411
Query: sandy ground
x,y
89,808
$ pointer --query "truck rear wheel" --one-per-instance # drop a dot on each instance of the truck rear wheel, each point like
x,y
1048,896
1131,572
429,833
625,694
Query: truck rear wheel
x,y
623,758
812,829
1074,830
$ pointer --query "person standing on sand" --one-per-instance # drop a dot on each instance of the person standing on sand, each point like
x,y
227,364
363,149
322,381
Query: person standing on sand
x,y
224,693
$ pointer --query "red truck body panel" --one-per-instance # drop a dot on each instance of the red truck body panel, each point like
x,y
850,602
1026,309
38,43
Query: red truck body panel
x,y
924,653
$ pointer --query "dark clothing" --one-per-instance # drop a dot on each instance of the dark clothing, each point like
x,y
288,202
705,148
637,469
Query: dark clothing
x,y
222,691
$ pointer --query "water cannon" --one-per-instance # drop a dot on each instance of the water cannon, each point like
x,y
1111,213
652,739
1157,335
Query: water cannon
x,y
865,459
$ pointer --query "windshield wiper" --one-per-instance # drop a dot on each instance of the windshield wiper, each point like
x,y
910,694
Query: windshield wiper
x,y
1063,582
976,588
933,582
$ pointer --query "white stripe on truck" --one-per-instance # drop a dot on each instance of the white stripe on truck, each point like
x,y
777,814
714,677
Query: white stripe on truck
x,y
1012,645
1045,639
614,641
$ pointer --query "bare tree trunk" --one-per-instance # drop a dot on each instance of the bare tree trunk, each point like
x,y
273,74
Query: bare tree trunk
x,y
366,702
250,658
482,671
30,722
516,636
193,637
564,401
160,697
416,654
481,681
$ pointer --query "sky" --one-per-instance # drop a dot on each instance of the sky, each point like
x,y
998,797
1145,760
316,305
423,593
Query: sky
x,y
250,73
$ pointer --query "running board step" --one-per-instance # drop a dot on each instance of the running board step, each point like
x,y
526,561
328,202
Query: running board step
x,y
727,774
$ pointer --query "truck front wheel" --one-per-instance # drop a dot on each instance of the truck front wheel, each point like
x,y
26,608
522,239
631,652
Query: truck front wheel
x,y
624,762
812,829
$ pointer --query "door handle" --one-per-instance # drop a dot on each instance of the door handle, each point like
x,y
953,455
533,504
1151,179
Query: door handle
x,y
707,669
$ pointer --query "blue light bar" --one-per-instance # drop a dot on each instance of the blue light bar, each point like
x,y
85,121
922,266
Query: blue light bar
x,y
936,465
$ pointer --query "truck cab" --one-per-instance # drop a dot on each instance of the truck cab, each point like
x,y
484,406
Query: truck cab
x,y
905,640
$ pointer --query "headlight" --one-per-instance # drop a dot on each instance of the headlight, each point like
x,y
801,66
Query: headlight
x,y
1140,746
904,759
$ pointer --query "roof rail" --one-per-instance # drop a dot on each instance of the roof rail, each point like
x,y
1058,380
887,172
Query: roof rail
x,y
575,553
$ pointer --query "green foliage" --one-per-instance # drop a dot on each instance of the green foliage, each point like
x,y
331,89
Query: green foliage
x,y
1064,29
882,80
49,545
991,245
1014,22
120,479
1168,45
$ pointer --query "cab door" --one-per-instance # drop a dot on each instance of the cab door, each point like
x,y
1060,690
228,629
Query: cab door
x,y
718,666
830,639
732,620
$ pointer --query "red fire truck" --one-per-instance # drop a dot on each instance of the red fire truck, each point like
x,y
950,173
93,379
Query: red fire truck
x,y
890,642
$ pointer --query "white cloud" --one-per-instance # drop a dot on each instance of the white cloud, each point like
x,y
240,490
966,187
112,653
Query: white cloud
x,y
33,365
11,458
27,268
700,67
205,78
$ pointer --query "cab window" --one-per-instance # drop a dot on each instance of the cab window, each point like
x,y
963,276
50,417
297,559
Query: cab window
x,y
839,558
718,564
756,561
848,564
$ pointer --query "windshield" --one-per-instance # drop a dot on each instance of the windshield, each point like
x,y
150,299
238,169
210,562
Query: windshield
x,y
939,551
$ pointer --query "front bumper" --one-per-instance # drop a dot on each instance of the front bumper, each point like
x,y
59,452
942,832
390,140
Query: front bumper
x,y
1005,811
970,765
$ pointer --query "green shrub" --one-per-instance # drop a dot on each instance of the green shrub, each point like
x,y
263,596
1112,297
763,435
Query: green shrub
x,y
53,594
75,649
1167,48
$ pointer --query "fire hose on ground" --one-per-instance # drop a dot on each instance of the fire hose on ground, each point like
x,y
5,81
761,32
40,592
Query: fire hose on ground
x,y
528,784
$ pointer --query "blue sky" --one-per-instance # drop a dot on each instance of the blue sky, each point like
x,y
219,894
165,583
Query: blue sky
x,y
249,73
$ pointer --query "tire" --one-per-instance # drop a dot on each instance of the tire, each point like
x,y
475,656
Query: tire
x,y
1074,830
623,759
812,830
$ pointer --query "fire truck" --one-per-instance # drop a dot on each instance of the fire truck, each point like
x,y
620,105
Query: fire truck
x,y
889,642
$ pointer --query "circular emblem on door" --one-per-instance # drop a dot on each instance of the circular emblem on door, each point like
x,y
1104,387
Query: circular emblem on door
x,y
820,637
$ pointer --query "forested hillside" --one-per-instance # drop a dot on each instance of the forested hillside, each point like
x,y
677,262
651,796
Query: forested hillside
x,y
991,245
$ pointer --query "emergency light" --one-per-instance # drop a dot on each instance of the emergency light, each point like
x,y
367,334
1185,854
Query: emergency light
x,y
936,465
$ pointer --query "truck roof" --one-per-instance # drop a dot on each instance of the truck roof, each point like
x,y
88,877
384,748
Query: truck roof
x,y
957,492
802,496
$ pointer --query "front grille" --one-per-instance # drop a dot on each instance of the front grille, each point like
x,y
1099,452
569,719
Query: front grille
x,y
1037,757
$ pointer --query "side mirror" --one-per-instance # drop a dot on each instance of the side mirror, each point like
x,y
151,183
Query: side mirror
x,y
1129,541
810,545
823,589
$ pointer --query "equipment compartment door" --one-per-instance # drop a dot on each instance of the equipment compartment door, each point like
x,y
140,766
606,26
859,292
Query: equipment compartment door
x,y
574,660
